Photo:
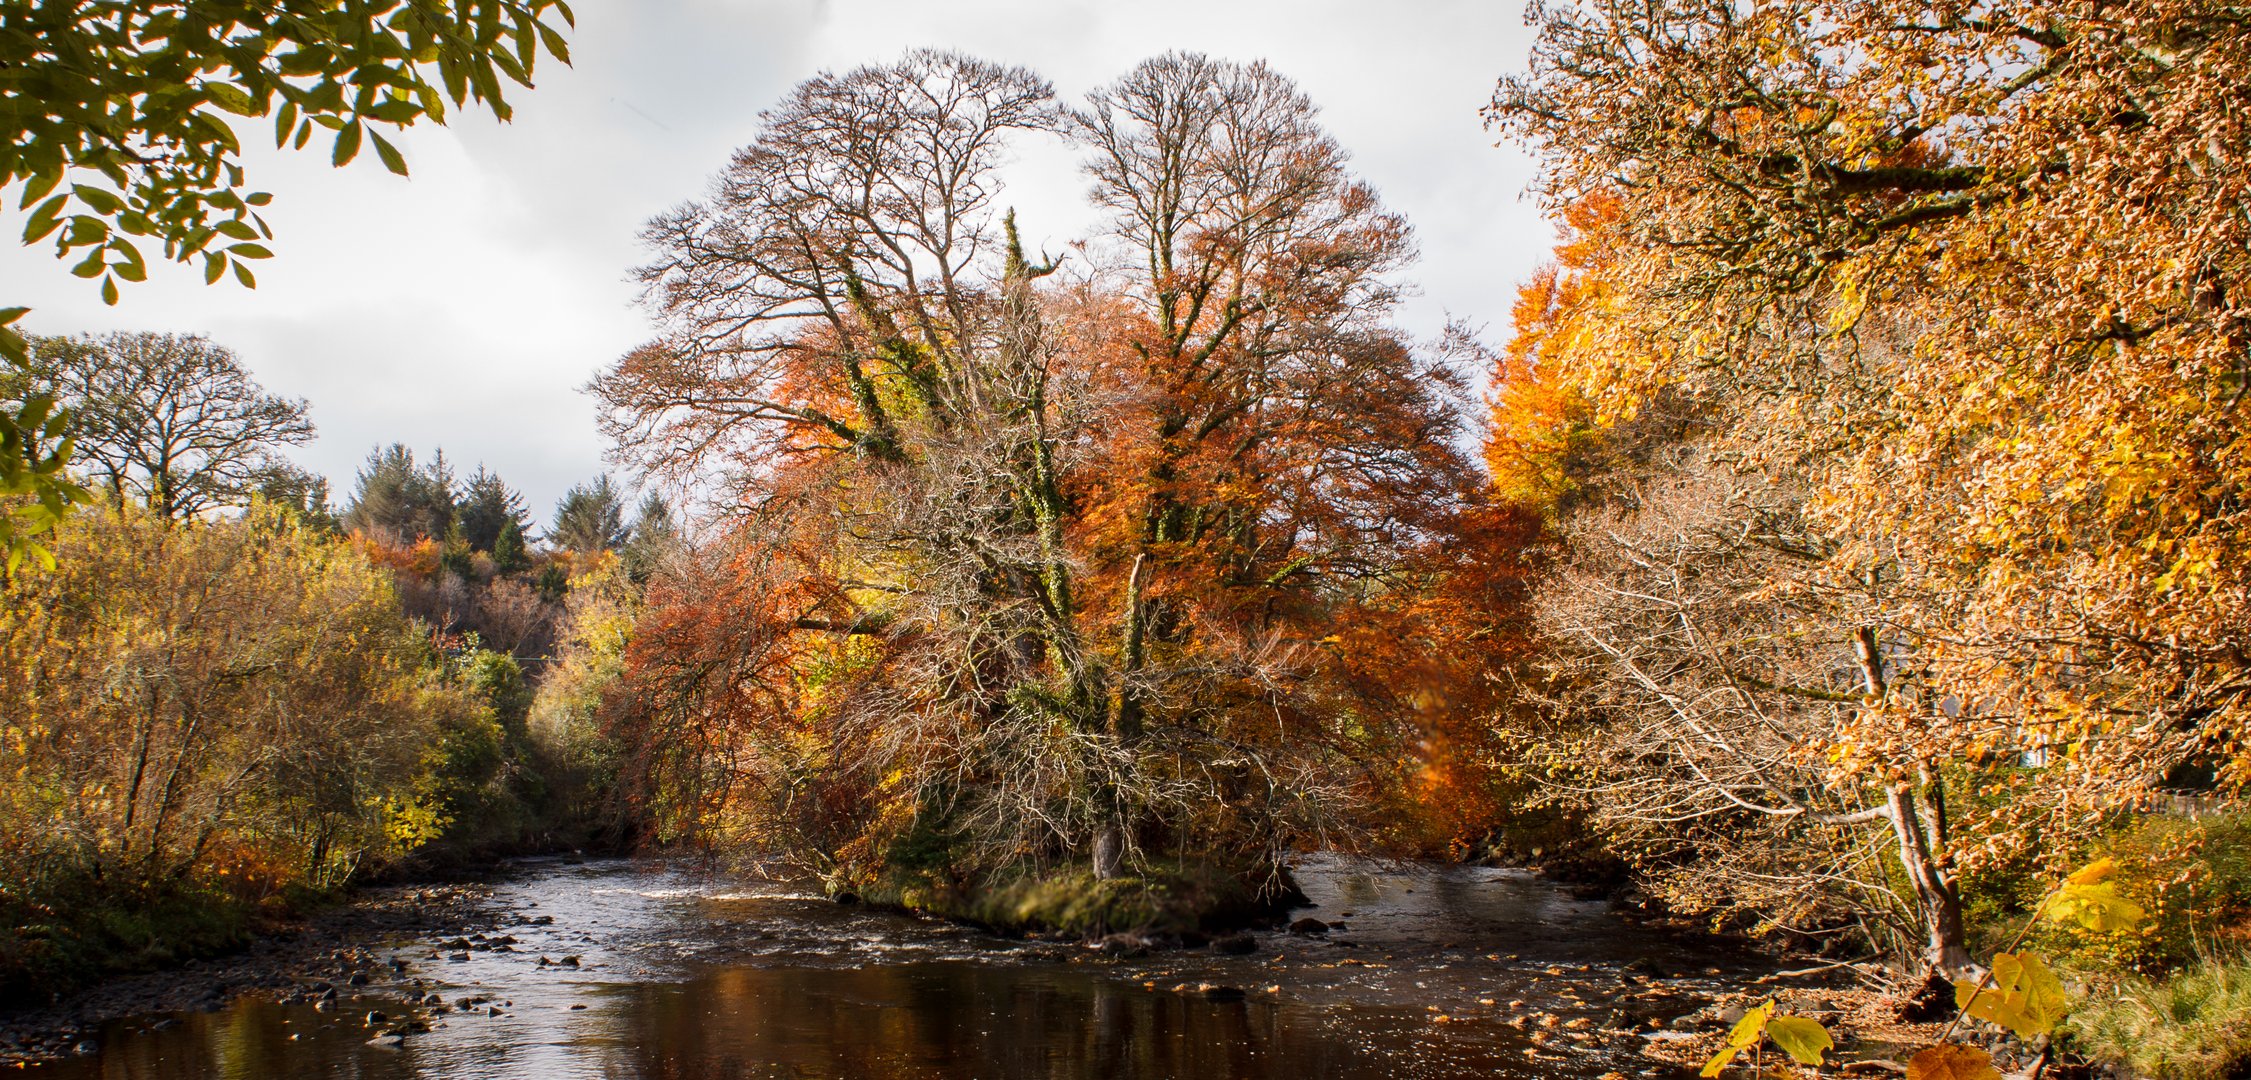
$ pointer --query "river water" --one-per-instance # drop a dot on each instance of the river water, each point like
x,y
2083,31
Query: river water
x,y
1437,972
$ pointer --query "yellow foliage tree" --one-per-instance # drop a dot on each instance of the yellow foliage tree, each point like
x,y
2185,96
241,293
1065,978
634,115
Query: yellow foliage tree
x,y
180,696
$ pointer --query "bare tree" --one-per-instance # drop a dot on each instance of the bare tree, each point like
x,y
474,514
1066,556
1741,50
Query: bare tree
x,y
1711,644
172,420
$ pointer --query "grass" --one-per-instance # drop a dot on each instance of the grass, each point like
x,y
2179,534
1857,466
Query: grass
x,y
2195,1025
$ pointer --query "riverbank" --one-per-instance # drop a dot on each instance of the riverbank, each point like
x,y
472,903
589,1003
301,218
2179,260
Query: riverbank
x,y
338,946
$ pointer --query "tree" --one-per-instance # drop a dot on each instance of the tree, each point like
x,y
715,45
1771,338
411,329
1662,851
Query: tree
x,y
508,551
1968,279
488,506
590,518
1032,570
399,502
239,692
120,127
301,493
655,537
172,421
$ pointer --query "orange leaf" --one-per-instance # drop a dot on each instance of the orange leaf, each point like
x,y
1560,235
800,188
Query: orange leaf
x,y
1946,1061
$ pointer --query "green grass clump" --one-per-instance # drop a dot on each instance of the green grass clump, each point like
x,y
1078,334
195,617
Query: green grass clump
x,y
2195,1025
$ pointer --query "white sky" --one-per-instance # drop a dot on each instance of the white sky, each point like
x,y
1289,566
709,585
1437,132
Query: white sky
x,y
466,307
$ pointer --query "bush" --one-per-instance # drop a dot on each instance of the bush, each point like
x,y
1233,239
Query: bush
x,y
2192,876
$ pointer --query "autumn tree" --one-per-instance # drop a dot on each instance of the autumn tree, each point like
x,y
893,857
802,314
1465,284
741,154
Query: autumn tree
x,y
1038,566
171,421
121,120
1965,278
656,536
1295,445
184,696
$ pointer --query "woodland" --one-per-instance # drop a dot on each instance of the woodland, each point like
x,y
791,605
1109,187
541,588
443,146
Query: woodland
x,y
1838,546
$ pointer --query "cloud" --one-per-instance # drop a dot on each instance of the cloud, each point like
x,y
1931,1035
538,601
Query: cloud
x,y
466,306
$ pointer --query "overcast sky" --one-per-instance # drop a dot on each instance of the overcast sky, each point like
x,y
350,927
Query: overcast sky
x,y
466,307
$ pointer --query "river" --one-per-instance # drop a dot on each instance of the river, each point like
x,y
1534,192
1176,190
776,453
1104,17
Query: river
x,y
619,969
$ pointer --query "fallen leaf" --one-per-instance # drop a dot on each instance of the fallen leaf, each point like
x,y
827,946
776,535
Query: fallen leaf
x,y
1947,1061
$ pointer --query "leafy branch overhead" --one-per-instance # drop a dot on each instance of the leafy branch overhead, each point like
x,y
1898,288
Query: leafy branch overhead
x,y
120,131
120,118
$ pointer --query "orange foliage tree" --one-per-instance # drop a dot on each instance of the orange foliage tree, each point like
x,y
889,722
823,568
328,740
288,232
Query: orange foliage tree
x,y
1952,296
1026,566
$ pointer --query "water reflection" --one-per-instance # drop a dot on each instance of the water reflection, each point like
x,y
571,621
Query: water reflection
x,y
959,1020
684,977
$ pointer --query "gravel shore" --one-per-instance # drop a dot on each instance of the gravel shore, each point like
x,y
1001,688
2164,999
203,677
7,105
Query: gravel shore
x,y
339,947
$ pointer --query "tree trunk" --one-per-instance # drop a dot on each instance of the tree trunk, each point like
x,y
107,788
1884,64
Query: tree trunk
x,y
1109,853
1945,947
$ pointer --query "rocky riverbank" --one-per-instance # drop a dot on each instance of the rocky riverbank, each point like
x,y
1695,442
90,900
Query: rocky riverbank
x,y
321,954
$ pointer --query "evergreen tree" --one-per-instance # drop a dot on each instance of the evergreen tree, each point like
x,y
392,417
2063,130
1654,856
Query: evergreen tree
x,y
590,518
400,502
302,493
654,535
456,556
508,552
488,506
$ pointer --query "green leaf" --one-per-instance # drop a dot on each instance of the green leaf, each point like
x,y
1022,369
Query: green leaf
x,y
394,111
37,188
285,120
102,202
249,251
231,98
109,290
44,220
554,42
390,154
347,145
1802,1039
